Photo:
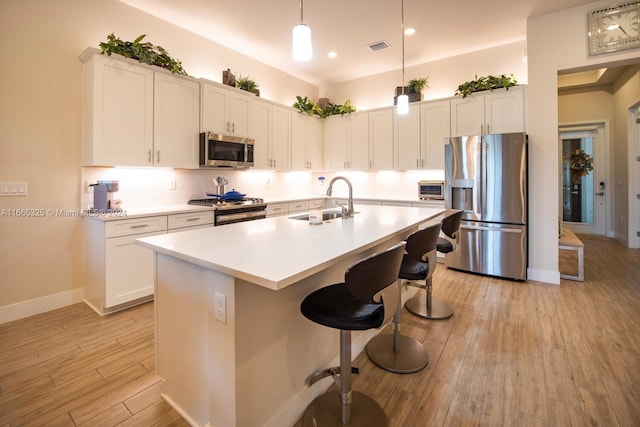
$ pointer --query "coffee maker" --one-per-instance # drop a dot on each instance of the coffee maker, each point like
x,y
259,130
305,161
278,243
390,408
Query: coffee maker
x,y
103,196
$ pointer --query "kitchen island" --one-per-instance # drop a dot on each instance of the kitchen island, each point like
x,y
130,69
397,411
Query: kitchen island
x,y
231,344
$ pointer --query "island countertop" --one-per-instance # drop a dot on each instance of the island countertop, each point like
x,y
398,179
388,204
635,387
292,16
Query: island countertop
x,y
277,252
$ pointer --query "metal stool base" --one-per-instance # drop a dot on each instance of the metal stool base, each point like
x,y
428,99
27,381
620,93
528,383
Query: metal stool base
x,y
439,309
325,410
411,357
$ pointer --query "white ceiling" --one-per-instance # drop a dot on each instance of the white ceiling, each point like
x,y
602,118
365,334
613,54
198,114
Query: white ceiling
x,y
261,29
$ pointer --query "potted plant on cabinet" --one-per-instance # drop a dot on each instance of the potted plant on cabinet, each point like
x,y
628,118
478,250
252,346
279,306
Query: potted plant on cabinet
x,y
486,83
247,84
413,89
143,52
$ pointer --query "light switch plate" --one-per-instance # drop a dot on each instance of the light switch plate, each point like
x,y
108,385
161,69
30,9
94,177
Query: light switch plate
x,y
221,307
14,189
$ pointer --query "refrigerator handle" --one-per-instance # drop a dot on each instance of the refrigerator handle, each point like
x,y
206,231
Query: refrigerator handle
x,y
483,177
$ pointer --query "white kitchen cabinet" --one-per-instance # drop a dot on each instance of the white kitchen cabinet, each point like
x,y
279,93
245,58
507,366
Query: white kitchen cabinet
x,y
317,204
225,110
276,209
135,115
189,220
408,139
118,272
271,130
298,206
176,121
498,111
306,142
346,142
436,126
381,140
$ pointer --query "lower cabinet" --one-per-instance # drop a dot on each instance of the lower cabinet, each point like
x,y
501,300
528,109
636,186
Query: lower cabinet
x,y
119,273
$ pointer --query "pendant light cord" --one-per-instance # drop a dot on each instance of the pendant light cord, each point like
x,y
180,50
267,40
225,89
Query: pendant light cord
x,y
302,11
402,15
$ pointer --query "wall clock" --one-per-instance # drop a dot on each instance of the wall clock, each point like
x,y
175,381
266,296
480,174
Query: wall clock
x,y
614,28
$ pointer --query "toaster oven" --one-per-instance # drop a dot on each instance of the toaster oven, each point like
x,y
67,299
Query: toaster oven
x,y
431,190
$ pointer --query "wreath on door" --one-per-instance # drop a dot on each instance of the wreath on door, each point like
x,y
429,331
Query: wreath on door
x,y
580,163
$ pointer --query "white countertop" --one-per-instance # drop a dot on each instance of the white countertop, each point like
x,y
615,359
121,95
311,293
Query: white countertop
x,y
276,252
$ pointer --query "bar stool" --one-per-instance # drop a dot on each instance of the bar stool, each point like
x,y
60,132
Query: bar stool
x,y
365,300
396,352
419,265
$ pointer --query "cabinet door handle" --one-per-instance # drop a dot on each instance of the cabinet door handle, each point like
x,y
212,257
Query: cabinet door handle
x,y
481,129
193,219
149,156
233,127
227,126
422,162
417,163
158,156
140,226
488,128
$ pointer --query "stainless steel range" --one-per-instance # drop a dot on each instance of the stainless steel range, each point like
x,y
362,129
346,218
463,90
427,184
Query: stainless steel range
x,y
228,212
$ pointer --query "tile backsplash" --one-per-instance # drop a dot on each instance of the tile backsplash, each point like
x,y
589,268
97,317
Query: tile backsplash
x,y
147,187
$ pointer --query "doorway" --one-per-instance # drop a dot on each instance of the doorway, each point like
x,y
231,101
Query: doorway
x,y
584,183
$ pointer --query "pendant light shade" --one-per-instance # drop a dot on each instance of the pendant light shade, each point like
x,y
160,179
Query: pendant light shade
x,y
402,106
301,36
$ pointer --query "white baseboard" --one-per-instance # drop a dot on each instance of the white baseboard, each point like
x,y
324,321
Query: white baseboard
x,y
546,276
20,310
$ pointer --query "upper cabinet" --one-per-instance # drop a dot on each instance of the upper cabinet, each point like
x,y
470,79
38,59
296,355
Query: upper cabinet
x,y
420,136
271,130
408,139
137,116
381,139
498,111
346,142
306,142
225,110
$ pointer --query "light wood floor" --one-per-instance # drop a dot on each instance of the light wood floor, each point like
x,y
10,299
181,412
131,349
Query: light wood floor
x,y
514,354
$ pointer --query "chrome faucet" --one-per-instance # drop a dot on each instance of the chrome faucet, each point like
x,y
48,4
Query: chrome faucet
x,y
347,211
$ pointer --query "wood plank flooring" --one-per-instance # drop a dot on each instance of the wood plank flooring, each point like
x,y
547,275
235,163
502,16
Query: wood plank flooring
x,y
513,354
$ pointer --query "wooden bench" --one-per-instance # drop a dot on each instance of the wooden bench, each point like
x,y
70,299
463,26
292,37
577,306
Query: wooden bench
x,y
571,256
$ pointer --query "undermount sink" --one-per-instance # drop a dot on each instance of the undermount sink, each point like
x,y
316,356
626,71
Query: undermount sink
x,y
326,216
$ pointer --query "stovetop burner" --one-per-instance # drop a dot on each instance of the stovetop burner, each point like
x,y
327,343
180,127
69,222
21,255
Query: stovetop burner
x,y
228,204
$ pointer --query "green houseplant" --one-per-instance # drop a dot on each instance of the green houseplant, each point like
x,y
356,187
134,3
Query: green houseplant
x,y
486,83
416,85
311,107
143,52
247,84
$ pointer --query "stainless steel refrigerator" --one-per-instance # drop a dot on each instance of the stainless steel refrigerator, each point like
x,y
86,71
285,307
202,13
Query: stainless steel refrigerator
x,y
486,177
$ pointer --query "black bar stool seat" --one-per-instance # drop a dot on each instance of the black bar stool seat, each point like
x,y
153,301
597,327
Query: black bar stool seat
x,y
366,300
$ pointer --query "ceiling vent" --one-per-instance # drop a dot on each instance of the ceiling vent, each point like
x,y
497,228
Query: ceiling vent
x,y
379,45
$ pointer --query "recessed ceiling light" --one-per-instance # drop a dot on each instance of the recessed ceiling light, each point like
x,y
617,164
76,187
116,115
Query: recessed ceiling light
x,y
332,54
410,31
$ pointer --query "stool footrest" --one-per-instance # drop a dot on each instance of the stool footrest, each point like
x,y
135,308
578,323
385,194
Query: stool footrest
x,y
329,372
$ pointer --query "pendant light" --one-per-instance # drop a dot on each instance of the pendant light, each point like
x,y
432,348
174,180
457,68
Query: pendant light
x,y
402,100
301,35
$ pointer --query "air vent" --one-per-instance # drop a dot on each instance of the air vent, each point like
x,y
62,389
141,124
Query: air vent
x,y
379,45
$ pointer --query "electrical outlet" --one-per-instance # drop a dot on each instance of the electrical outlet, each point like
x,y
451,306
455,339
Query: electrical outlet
x,y
221,307
172,184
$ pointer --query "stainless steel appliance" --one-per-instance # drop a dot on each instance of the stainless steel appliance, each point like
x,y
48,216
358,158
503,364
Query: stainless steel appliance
x,y
225,151
103,196
431,190
230,211
486,177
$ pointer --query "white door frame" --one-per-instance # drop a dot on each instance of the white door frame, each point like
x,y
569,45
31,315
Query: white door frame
x,y
633,176
609,194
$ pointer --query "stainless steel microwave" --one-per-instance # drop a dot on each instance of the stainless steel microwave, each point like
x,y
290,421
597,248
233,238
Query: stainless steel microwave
x,y
431,190
225,151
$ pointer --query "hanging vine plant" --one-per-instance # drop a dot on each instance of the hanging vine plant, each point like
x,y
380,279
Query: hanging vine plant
x,y
143,52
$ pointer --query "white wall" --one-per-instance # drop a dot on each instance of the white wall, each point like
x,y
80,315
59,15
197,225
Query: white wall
x,y
445,76
555,42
